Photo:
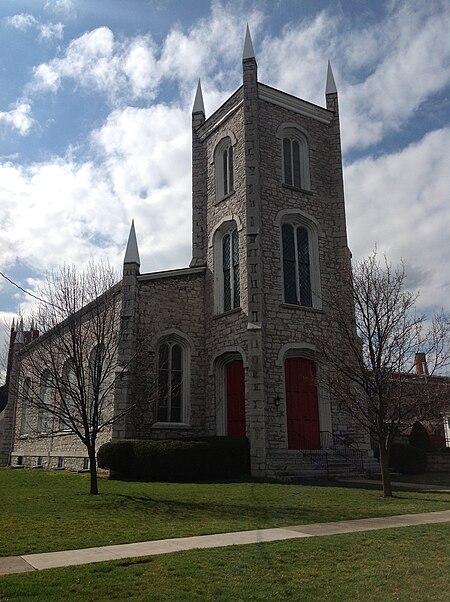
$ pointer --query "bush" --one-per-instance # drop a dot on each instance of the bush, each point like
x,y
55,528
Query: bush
x,y
419,437
407,459
199,459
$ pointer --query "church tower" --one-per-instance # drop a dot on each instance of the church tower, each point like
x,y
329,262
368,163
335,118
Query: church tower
x,y
269,225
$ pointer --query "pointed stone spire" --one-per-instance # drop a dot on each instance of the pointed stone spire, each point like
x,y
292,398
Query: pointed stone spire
x,y
248,53
20,340
198,107
132,252
331,84
13,325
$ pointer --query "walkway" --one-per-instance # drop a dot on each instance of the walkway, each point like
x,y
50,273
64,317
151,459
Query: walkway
x,y
39,562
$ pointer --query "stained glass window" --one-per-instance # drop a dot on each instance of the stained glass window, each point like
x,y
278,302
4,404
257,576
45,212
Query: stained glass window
x,y
170,382
296,265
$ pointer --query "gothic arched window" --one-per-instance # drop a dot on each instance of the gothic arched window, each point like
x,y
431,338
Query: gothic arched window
x,y
295,154
301,278
44,403
223,161
173,385
24,422
227,267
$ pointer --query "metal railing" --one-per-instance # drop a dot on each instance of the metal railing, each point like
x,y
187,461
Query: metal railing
x,y
343,448
319,457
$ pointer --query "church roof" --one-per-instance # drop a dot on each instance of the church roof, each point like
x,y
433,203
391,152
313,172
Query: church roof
x,y
132,252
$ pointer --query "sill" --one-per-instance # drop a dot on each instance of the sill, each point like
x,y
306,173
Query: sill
x,y
24,436
303,307
171,425
297,189
229,312
224,198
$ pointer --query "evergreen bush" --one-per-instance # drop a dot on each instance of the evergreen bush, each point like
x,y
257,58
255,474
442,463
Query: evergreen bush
x,y
407,459
419,437
194,459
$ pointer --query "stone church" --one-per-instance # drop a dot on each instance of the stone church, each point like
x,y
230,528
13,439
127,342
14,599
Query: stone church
x,y
234,335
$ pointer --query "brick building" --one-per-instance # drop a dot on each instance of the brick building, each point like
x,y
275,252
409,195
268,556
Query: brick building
x,y
233,337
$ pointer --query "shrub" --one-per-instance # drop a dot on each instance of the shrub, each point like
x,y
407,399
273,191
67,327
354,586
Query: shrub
x,y
407,459
419,437
198,459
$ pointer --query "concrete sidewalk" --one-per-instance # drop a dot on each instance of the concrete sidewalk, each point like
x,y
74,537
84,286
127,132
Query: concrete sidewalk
x,y
32,562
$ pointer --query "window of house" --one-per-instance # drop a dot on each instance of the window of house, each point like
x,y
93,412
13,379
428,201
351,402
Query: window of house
x,y
295,154
301,280
172,382
24,421
227,267
98,368
223,162
69,390
44,404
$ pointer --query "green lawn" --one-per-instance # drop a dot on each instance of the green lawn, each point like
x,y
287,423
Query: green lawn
x,y
409,564
45,511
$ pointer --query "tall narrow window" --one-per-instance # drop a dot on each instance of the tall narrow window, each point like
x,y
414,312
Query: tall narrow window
x,y
171,384
223,160
295,159
296,265
44,403
24,422
230,267
70,401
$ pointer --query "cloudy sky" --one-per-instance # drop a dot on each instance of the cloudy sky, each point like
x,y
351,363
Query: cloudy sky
x,y
95,102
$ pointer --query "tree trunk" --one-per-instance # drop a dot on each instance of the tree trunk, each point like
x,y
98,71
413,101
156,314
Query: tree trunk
x,y
385,476
93,472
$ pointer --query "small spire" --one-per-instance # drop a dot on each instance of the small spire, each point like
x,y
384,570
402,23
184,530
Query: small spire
x,y
331,84
248,53
132,253
20,340
198,107
13,325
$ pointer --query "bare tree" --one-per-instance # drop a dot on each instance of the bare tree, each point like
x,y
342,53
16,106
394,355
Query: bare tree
x,y
372,376
68,374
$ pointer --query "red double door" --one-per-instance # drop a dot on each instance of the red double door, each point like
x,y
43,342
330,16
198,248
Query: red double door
x,y
235,386
302,407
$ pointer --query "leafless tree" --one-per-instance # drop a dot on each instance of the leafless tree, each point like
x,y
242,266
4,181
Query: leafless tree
x,y
68,374
373,377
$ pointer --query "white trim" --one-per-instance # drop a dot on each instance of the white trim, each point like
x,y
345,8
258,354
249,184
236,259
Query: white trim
x,y
297,105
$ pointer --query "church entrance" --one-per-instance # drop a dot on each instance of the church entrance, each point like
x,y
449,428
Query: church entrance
x,y
302,406
235,395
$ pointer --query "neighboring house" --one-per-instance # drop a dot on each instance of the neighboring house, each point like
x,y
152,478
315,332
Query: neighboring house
x,y
231,339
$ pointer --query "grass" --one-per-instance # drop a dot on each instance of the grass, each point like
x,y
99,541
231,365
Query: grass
x,y
46,511
409,564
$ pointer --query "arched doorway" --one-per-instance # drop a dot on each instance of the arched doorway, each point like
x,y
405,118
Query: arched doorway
x,y
302,406
235,396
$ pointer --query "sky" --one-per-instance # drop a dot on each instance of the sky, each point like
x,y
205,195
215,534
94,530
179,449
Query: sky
x,y
95,108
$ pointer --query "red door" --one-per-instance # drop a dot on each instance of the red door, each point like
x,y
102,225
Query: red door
x,y
235,398
302,406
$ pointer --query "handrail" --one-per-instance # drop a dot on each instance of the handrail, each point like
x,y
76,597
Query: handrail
x,y
315,455
343,448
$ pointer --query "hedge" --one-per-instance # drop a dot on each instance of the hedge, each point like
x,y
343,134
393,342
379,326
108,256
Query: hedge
x,y
407,459
194,459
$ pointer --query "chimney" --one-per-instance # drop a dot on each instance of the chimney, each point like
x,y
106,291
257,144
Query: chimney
x,y
420,361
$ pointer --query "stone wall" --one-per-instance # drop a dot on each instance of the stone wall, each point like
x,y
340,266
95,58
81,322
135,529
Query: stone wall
x,y
438,462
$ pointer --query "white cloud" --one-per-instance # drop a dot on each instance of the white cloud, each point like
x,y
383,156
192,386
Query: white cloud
x,y
63,8
98,62
47,31
400,202
22,21
19,117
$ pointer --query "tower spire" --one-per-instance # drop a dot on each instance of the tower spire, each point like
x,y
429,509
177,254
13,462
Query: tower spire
x,y
132,252
198,107
331,84
248,53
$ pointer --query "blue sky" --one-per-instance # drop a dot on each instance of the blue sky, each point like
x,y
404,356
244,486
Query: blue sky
x,y
95,101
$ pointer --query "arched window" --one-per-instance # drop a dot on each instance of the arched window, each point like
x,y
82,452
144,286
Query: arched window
x,y
98,371
70,393
223,162
227,267
301,278
24,422
44,403
295,154
173,382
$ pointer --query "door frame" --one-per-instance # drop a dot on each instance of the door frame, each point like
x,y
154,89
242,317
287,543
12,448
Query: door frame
x,y
219,372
